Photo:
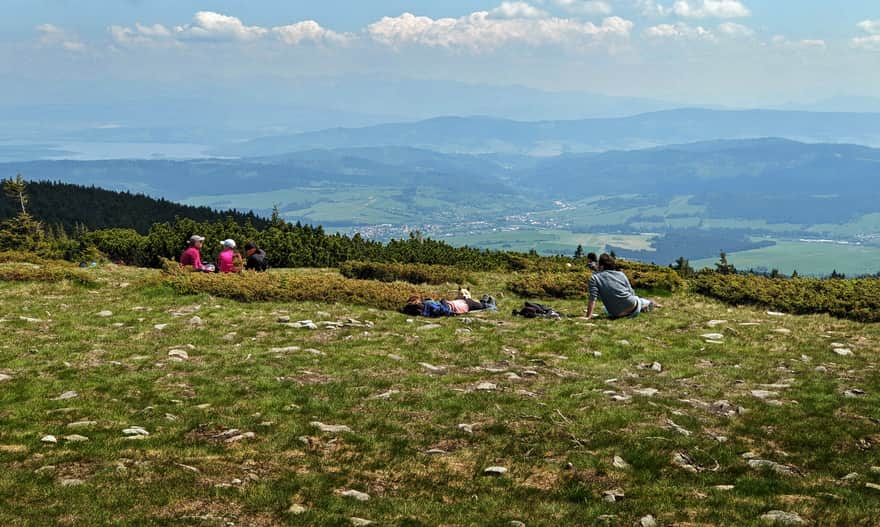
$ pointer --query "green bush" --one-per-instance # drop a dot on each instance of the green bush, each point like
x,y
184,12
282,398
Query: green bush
x,y
399,272
575,283
274,286
44,272
857,299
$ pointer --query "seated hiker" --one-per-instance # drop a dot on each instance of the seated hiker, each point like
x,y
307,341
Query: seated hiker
x,y
613,287
256,258
592,262
229,261
191,257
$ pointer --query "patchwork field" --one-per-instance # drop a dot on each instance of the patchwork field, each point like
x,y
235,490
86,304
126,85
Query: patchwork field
x,y
126,404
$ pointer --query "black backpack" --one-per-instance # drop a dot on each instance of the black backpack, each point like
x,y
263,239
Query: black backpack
x,y
533,310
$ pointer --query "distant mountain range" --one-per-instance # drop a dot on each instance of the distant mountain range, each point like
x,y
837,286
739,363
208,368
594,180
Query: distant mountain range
x,y
491,135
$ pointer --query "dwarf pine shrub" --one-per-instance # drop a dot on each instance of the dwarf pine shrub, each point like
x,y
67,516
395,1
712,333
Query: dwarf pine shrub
x,y
857,299
575,284
399,272
19,271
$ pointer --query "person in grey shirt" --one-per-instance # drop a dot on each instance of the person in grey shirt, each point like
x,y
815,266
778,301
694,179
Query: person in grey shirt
x,y
613,287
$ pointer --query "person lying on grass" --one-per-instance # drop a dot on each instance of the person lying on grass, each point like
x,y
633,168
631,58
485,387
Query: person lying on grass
x,y
617,294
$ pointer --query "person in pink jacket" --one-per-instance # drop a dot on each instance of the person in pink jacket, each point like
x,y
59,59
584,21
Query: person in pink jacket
x,y
191,257
228,260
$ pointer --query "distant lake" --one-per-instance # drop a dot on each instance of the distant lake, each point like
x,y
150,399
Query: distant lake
x,y
88,151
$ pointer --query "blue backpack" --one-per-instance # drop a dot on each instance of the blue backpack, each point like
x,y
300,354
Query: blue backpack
x,y
434,308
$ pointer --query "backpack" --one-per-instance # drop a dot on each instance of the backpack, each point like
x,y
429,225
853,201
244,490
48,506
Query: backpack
x,y
434,308
532,310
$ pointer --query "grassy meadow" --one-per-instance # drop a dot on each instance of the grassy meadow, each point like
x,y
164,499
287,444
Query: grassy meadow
x,y
177,410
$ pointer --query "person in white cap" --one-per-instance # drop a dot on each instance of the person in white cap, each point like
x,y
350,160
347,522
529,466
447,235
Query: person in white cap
x,y
228,257
191,257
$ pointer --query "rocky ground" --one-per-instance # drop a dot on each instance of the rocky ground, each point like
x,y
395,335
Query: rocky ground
x,y
127,404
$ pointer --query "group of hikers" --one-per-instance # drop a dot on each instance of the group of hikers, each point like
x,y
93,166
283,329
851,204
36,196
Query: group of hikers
x,y
228,259
607,283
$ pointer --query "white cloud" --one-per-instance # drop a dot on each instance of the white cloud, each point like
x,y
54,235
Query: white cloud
x,y
214,26
871,27
731,29
679,31
53,36
517,10
806,44
710,9
155,35
309,31
585,7
480,32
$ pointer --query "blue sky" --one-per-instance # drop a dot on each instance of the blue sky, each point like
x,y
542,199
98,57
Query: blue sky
x,y
740,52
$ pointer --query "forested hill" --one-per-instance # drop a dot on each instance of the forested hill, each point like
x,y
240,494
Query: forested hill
x,y
97,208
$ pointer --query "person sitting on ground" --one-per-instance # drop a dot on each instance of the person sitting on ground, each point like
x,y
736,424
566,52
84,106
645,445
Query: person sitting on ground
x,y
592,262
191,257
256,258
617,294
229,260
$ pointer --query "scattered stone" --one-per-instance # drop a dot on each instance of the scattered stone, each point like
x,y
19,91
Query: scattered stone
x,y
288,349
646,392
313,351
782,518
135,431
394,356
355,494
435,452
431,368
620,398
330,429
203,406
656,366
230,336
178,355
648,521
784,331
296,509
66,395
597,354
820,369
4,377
486,386
723,488
843,352
81,424
48,469
713,323
837,345
385,395
620,463
530,373
188,468
31,320
239,437
784,470
359,522
855,392
613,495
49,439
872,486
495,471
606,518
511,376
775,314
72,482
684,461
850,477
712,336
681,430
160,327
105,313
763,394
466,428
428,327
516,523
196,321
76,438
623,342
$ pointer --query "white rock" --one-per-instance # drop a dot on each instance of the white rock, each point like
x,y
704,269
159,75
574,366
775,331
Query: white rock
x,y
330,429
784,331
486,386
296,509
385,395
763,394
431,368
288,349
613,495
81,424
72,482
160,327
713,323
620,463
50,439
355,494
4,377
648,521
435,452
466,428
196,321
656,366
873,486
76,438
843,352
135,431
782,518
105,313
239,437
495,471
723,488
178,354
712,336
775,314
66,395
646,392
428,327
359,522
